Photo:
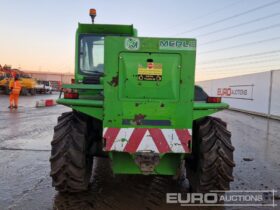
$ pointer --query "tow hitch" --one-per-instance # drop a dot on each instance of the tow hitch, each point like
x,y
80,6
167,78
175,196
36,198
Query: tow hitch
x,y
147,161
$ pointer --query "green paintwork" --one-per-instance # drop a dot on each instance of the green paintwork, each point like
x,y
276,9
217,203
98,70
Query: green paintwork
x,y
202,106
169,99
91,111
204,109
126,97
93,108
123,163
83,86
81,102
167,89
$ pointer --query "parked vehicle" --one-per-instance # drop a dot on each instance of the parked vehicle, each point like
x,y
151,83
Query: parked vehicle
x,y
43,87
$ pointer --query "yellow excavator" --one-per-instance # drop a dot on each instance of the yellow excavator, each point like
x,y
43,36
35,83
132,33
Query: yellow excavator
x,y
7,75
3,78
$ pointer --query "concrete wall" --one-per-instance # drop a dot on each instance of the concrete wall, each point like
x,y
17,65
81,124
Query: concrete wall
x,y
275,94
257,93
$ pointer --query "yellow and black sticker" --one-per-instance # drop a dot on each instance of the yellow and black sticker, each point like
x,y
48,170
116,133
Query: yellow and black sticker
x,y
153,72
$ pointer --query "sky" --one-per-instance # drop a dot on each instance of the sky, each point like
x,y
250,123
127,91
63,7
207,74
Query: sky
x,y
234,37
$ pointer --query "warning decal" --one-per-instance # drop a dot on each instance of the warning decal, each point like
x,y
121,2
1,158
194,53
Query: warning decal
x,y
153,72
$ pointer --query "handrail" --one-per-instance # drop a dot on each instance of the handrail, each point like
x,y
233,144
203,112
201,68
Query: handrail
x,y
80,102
83,86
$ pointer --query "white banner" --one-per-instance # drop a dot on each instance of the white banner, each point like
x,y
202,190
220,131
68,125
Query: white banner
x,y
247,92
236,91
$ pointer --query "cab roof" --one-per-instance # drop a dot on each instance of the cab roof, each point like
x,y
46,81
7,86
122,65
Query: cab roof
x,y
105,29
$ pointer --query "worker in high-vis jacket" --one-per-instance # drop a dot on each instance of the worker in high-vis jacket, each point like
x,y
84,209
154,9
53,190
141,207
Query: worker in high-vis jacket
x,y
15,88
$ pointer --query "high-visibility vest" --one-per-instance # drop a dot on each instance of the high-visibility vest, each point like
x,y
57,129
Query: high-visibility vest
x,y
16,87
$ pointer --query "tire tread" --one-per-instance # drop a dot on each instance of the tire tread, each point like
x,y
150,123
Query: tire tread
x,y
211,166
70,164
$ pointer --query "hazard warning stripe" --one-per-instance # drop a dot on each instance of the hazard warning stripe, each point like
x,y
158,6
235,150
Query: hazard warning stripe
x,y
153,139
160,140
110,136
183,136
135,139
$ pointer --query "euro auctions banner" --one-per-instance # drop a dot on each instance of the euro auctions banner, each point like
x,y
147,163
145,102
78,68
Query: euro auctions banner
x,y
247,92
236,91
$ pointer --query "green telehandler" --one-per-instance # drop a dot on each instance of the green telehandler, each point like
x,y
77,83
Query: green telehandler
x,y
134,101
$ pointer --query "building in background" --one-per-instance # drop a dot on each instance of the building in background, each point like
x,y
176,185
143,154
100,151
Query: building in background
x,y
56,79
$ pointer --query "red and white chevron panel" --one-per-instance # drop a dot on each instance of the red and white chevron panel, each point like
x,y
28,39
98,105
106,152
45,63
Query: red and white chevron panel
x,y
47,102
158,140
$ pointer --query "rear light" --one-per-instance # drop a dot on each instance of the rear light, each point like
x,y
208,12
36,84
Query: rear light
x,y
69,94
214,99
72,81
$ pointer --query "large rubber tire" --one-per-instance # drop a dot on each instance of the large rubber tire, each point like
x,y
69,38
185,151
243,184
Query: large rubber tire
x,y
71,161
211,164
